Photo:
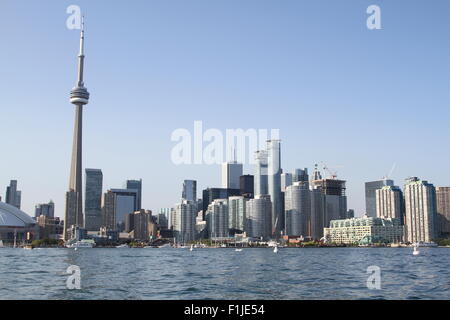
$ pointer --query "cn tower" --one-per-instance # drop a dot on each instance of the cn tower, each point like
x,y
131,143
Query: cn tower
x,y
79,96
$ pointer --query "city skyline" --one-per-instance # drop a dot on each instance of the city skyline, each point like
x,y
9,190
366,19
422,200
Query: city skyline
x,y
161,188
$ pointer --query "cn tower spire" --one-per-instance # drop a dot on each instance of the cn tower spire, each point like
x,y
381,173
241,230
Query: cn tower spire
x,y
79,96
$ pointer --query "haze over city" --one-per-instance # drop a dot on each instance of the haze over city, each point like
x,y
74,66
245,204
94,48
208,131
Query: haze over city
x,y
357,99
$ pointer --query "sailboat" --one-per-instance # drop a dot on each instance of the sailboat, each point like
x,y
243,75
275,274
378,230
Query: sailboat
x,y
416,251
275,249
1,244
191,248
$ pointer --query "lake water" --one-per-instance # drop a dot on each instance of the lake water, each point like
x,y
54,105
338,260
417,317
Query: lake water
x,y
309,273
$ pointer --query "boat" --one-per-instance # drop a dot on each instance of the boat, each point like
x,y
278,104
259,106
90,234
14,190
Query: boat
x,y
81,244
425,244
191,248
167,245
275,249
395,245
28,247
238,250
122,246
272,243
416,251
1,244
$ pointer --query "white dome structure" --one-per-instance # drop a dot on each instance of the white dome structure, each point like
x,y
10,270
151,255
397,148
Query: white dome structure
x,y
10,216
15,223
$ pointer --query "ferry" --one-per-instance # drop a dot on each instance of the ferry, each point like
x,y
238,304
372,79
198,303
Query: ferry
x,y
426,244
81,244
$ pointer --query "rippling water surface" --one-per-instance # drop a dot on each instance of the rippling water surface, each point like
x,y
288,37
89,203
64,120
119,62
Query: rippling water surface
x,y
310,273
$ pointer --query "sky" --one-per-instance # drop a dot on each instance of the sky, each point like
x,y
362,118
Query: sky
x,y
356,99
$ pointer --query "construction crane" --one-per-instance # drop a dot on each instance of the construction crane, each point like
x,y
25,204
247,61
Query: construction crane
x,y
386,177
332,173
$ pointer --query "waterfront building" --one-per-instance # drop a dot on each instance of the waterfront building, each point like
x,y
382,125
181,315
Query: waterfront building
x,y
236,213
259,217
420,210
443,210
260,178
297,209
184,221
371,188
93,199
246,186
365,230
45,209
389,202
13,196
217,219
79,97
231,171
189,190
136,185
274,185
140,223
48,227
116,204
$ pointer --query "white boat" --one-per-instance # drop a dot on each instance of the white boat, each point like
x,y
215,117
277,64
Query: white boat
x,y
272,243
238,250
425,244
122,246
167,245
191,248
81,244
1,244
275,249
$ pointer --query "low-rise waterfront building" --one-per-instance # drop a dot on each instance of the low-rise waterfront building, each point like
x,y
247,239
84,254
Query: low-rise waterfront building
x,y
365,230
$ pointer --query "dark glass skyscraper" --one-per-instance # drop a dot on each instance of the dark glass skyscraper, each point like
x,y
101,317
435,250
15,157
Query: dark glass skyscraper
x,y
136,185
93,199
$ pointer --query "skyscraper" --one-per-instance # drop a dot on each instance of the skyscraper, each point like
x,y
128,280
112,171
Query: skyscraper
x,y
13,196
259,216
274,185
389,202
189,190
136,185
217,219
443,210
45,209
286,180
184,221
79,96
247,185
335,205
93,199
211,194
260,178
420,210
236,213
317,213
116,204
231,171
371,188
297,209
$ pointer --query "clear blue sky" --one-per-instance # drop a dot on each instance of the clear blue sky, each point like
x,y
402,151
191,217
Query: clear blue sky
x,y
355,98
